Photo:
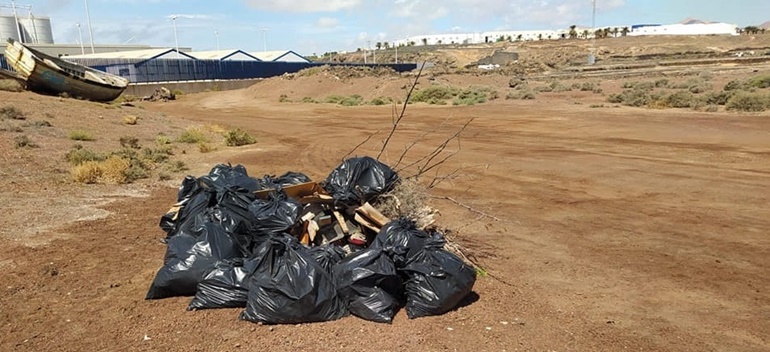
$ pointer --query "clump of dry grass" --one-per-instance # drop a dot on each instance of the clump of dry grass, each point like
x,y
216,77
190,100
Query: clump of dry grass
x,y
10,85
204,147
112,170
408,199
130,120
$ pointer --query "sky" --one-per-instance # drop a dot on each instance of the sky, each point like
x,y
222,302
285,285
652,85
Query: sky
x,y
318,26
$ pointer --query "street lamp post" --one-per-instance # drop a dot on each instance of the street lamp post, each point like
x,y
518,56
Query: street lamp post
x,y
216,34
176,39
80,35
592,54
90,30
264,39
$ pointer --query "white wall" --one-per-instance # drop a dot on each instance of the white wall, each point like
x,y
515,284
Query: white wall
x,y
687,29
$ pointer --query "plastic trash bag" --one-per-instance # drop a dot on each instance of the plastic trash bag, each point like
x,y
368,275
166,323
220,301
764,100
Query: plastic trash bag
x,y
232,211
368,284
227,176
288,179
224,285
289,287
188,256
274,215
358,180
437,280
402,240
327,256
191,200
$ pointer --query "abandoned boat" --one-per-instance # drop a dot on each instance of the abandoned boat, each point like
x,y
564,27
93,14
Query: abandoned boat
x,y
46,74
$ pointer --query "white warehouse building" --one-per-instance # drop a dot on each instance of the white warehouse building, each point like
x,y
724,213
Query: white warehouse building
x,y
685,29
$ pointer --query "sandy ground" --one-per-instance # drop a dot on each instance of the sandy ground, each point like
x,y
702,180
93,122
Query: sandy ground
x,y
619,229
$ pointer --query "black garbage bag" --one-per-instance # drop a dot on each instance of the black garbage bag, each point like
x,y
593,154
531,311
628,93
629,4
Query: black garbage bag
x,y
224,285
275,215
188,256
368,284
289,287
288,179
401,239
232,211
227,176
358,180
190,213
437,280
327,256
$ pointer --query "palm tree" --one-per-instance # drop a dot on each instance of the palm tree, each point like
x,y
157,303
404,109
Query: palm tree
x,y
606,32
378,45
598,34
540,36
518,37
586,33
572,32
615,32
624,31
424,41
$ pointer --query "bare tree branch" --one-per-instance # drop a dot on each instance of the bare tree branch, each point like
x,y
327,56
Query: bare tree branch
x,y
359,145
403,111
470,208
419,139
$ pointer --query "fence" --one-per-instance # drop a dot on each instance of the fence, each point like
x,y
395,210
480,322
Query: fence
x,y
173,70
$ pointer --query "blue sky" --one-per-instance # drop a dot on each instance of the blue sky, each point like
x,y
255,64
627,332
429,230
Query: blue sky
x,y
317,26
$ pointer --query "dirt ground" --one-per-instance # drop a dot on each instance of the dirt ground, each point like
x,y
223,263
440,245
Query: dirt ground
x,y
605,228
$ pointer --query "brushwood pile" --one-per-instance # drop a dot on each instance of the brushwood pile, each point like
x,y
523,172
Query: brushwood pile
x,y
289,250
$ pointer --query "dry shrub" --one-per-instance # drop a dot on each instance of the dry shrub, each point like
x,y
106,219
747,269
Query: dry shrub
x,y
408,199
114,170
130,120
87,172
204,147
10,85
193,135
111,170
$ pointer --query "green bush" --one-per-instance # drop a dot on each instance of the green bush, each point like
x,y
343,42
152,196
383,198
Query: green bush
x,y
162,140
79,155
661,83
681,99
284,99
749,102
192,136
157,155
759,82
353,100
523,94
434,94
81,135
381,101
238,137
717,98
471,97
637,97
178,166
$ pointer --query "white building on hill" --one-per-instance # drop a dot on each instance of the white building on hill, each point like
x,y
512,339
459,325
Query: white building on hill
x,y
685,29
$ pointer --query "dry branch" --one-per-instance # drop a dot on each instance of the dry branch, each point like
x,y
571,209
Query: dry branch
x,y
403,111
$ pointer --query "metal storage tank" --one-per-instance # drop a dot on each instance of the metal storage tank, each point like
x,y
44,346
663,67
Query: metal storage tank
x,y
8,29
36,30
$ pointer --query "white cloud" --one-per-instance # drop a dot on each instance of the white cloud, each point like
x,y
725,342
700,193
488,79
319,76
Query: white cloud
x,y
327,22
303,5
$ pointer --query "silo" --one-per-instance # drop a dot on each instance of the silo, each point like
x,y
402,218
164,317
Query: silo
x,y
37,30
8,29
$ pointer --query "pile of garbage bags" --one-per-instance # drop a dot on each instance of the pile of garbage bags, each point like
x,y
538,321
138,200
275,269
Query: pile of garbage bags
x,y
291,251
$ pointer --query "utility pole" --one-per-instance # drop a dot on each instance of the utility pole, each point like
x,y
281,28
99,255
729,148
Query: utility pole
x,y
592,53
264,39
216,34
90,30
16,21
80,35
176,40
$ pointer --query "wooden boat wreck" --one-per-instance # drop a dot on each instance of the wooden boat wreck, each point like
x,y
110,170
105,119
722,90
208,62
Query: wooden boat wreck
x,y
46,74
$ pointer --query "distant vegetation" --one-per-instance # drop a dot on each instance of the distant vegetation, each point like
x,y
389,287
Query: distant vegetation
x,y
750,95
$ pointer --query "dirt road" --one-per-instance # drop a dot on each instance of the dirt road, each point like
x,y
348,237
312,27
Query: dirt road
x,y
621,229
